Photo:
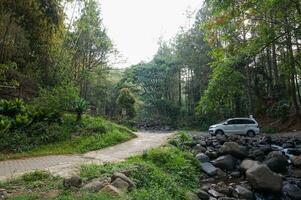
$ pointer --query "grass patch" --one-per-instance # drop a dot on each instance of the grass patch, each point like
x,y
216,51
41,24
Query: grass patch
x,y
162,173
93,133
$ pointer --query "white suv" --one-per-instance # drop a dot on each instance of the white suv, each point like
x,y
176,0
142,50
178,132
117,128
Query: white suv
x,y
238,126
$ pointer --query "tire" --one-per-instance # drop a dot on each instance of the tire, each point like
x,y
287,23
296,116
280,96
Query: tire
x,y
251,133
219,132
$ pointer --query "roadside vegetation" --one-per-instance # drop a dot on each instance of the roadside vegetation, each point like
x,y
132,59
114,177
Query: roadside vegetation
x,y
167,173
28,130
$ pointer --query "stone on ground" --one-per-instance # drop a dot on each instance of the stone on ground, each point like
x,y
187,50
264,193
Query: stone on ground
x,y
226,162
120,184
296,161
123,177
263,179
233,149
241,192
96,185
202,157
208,168
74,181
110,189
247,164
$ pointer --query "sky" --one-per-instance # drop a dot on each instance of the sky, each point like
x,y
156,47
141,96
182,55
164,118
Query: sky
x,y
136,26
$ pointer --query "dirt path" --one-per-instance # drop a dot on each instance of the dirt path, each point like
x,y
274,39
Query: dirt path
x,y
66,165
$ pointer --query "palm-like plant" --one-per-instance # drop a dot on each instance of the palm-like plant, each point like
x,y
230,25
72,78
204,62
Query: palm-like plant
x,y
81,105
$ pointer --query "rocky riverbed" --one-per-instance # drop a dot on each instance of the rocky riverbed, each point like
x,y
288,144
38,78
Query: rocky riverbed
x,y
237,167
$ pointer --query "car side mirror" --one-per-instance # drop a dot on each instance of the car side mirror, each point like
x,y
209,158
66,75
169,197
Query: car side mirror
x,y
225,123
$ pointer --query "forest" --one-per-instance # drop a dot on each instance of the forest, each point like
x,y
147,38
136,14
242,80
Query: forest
x,y
75,126
239,58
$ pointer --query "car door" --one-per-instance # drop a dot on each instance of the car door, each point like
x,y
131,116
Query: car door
x,y
230,127
241,126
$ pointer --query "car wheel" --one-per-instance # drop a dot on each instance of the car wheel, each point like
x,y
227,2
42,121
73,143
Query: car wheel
x,y
251,133
219,132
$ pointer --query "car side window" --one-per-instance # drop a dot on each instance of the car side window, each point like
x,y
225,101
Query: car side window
x,y
232,122
246,121
250,121
240,121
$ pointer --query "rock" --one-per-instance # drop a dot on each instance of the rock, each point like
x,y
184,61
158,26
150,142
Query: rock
x,y
208,168
236,174
226,162
258,152
199,149
120,184
274,154
247,164
202,195
220,174
221,187
74,181
296,161
291,191
192,196
215,193
123,177
211,154
241,192
277,164
266,140
3,193
295,173
233,149
202,157
262,178
95,185
109,189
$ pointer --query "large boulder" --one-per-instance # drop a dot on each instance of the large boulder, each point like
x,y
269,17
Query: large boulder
x,y
226,162
291,191
263,179
233,149
96,184
208,168
74,181
247,164
277,164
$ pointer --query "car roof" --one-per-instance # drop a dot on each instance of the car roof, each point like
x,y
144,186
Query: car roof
x,y
242,118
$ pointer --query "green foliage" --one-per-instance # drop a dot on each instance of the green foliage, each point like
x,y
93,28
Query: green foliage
x,y
58,99
280,110
162,173
269,129
36,176
182,141
126,102
43,139
222,94
23,128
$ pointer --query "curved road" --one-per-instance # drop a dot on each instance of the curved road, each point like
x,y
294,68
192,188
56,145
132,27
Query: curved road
x,y
66,165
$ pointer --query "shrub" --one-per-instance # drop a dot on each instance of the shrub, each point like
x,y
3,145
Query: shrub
x,y
280,110
180,164
37,175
